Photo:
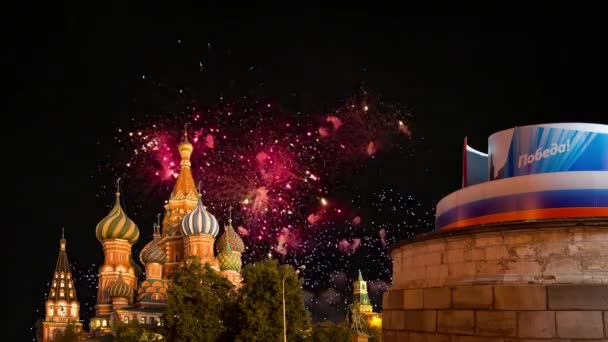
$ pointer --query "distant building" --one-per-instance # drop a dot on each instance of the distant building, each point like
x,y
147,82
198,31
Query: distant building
x,y
362,304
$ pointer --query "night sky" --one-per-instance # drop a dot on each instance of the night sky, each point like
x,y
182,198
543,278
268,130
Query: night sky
x,y
85,80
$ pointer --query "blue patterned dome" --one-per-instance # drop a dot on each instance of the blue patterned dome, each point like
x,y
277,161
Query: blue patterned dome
x,y
152,253
200,221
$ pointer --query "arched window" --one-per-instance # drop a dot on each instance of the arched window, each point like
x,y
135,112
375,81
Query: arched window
x,y
62,311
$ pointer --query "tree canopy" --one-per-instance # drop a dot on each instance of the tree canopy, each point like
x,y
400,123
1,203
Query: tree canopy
x,y
329,331
261,304
137,332
199,301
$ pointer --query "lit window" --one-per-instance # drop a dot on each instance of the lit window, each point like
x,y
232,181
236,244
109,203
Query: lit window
x,y
62,284
70,285
104,323
61,293
62,275
125,319
142,320
54,283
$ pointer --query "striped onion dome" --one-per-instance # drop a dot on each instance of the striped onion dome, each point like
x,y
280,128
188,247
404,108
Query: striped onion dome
x,y
153,290
199,221
152,251
231,239
229,260
119,288
117,225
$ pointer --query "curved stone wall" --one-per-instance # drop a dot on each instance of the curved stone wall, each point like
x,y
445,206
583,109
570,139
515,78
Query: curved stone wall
x,y
541,280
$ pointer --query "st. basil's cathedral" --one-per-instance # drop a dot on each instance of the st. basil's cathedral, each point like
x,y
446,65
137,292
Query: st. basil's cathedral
x,y
188,231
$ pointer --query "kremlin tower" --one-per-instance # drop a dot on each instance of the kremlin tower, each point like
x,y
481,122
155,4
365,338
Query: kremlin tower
x,y
363,305
61,307
360,296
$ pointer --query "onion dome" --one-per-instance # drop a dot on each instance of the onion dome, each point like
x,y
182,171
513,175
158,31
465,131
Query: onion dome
x,y
229,260
119,288
117,225
199,221
230,239
152,253
153,290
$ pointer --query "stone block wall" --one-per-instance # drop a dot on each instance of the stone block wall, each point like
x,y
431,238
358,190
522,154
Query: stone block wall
x,y
505,285
497,312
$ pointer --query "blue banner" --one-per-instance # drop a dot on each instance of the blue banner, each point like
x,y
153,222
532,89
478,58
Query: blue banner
x,y
538,149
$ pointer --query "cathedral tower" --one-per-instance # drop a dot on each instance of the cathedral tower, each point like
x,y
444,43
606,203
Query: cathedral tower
x,y
61,306
153,291
183,200
117,233
230,246
199,229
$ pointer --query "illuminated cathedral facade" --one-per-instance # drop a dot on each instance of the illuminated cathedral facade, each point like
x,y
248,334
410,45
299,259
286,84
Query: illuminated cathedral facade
x,y
188,231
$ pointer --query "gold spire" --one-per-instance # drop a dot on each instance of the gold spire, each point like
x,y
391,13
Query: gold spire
x,y
62,241
185,149
156,232
184,185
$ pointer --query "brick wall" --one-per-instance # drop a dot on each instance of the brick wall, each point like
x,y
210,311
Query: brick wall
x,y
505,311
503,285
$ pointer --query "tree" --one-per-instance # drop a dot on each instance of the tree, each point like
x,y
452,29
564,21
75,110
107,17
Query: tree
x,y
374,334
136,332
197,304
69,334
261,304
329,331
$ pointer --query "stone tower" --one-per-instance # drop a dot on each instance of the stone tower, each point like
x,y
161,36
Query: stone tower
x,y
61,307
